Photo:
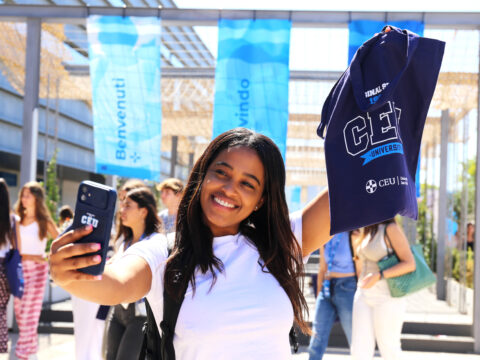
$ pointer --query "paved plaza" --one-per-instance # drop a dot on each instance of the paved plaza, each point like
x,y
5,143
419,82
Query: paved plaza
x,y
422,307
61,347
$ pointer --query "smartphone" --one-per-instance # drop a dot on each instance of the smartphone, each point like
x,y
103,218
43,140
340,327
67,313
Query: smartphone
x,y
95,206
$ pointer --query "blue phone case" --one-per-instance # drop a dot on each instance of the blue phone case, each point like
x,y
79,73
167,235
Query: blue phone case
x,y
95,206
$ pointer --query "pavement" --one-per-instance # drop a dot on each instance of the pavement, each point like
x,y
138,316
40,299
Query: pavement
x,y
61,347
422,307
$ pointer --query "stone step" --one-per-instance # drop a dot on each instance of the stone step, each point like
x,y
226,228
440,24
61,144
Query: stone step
x,y
437,329
416,337
56,322
438,343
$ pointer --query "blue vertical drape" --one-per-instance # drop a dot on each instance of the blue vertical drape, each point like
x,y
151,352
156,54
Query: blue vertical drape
x,y
124,55
251,77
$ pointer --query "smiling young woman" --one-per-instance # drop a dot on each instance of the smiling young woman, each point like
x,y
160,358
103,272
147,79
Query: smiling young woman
x,y
232,189
237,249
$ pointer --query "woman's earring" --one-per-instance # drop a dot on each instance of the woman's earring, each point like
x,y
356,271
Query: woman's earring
x,y
256,208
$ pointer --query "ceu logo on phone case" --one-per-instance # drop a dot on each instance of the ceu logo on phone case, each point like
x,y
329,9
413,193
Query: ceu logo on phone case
x,y
89,219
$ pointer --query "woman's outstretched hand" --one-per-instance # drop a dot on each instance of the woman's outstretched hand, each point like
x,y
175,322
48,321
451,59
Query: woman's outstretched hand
x,y
64,261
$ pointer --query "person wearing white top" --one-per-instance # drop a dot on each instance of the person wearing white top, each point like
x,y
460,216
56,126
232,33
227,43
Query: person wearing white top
x,y
377,316
35,225
241,261
171,191
8,234
138,223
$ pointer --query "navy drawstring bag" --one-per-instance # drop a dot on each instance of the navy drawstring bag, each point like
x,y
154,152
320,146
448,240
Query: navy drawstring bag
x,y
372,122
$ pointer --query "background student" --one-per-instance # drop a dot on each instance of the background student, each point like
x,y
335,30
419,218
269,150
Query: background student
x,y
138,222
337,283
171,191
376,314
35,225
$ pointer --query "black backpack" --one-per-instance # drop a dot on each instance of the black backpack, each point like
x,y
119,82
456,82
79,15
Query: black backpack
x,y
156,347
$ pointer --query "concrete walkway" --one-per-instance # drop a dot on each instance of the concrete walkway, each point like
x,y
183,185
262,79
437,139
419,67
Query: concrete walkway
x,y
422,307
61,347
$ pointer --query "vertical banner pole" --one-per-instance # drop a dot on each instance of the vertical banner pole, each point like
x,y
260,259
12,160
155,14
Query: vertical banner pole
x,y
476,262
28,160
173,156
442,207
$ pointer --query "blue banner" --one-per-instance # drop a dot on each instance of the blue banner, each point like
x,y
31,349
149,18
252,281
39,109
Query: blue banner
x,y
382,150
360,31
124,55
251,78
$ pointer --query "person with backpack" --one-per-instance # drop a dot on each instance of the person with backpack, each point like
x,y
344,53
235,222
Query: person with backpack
x,y
138,222
8,234
238,258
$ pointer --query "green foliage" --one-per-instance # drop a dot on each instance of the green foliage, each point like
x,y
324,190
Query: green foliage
x,y
458,255
456,271
52,192
470,167
425,232
51,187
425,229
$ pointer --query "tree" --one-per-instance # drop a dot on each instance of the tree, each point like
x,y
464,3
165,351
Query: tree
x,y
425,227
51,187
470,167
52,192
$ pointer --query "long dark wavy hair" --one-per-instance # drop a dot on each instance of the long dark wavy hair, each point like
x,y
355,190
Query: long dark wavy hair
x,y
144,198
6,230
268,228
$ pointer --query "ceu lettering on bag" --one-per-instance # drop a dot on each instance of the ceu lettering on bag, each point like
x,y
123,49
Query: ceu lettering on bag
x,y
372,122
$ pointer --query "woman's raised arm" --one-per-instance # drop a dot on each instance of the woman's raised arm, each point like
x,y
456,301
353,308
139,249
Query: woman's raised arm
x,y
126,280
316,223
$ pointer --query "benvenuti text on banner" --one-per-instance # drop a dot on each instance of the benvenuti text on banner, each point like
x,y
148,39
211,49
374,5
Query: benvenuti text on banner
x,y
124,55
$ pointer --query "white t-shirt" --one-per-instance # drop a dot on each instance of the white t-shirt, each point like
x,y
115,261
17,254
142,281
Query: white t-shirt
x,y
31,242
246,315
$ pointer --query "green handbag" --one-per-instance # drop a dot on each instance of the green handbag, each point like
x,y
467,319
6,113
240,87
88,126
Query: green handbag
x,y
408,283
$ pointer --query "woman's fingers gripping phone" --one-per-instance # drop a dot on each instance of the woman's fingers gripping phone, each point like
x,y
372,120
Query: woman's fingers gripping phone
x,y
64,257
70,237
